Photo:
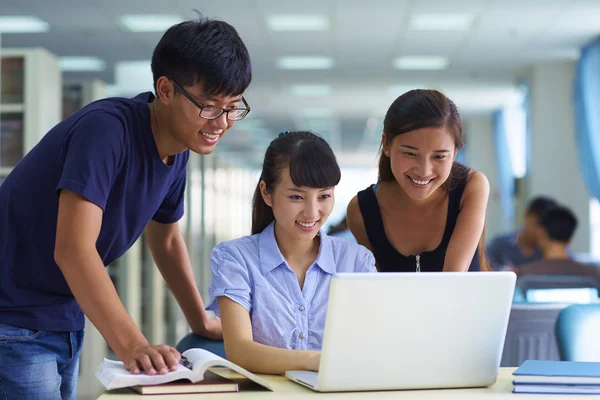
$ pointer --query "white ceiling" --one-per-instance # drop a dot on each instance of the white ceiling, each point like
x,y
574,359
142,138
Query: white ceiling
x,y
364,37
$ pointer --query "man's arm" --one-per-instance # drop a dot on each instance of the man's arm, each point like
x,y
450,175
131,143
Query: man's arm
x,y
78,227
171,256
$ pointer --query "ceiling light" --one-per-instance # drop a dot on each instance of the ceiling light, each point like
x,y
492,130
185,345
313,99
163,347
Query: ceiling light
x,y
305,63
441,22
81,64
297,22
310,90
421,63
149,22
22,24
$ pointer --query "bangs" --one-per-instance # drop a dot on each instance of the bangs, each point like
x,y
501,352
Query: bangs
x,y
227,72
314,165
232,80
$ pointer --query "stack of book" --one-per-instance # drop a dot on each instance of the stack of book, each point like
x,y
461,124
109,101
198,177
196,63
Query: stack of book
x,y
191,376
564,377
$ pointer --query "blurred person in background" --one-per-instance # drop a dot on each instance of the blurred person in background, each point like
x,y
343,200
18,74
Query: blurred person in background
x,y
555,230
511,250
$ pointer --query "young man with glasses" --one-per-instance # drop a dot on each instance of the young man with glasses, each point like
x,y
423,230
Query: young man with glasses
x,y
85,194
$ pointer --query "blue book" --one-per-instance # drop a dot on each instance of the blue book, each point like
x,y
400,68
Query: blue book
x,y
557,389
557,372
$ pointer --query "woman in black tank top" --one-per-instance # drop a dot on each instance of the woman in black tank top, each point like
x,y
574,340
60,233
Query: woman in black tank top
x,y
427,212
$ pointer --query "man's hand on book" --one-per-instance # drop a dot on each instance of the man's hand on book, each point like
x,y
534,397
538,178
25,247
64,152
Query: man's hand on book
x,y
211,328
152,359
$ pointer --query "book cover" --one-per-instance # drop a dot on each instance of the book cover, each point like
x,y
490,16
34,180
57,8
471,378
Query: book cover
x,y
212,383
556,389
563,372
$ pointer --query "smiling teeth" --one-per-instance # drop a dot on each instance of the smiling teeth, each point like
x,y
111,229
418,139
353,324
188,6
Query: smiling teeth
x,y
420,182
210,135
306,225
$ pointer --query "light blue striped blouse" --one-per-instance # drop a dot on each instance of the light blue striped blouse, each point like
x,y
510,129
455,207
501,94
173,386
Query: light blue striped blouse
x,y
252,272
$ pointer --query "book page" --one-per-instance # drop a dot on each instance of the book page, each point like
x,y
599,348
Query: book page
x,y
202,360
113,375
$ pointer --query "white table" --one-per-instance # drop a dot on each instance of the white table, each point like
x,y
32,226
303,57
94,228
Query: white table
x,y
285,389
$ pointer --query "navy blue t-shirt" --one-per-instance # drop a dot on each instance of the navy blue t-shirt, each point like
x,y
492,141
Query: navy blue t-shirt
x,y
105,152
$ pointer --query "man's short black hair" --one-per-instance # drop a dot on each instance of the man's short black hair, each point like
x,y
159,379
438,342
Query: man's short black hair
x,y
203,50
539,205
559,223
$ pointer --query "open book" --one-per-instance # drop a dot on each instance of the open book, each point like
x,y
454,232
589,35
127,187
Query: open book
x,y
113,374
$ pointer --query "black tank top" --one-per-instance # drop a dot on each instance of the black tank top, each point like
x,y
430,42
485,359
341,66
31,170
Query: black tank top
x,y
390,260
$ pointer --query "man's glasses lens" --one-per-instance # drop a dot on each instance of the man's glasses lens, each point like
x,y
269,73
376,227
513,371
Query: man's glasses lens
x,y
215,112
211,112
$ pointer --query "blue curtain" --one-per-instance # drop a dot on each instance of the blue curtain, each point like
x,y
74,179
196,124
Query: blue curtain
x,y
587,115
524,85
506,176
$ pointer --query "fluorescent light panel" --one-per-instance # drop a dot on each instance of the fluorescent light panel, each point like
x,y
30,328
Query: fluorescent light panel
x,y
441,22
297,22
81,64
421,63
305,63
149,22
22,24
310,90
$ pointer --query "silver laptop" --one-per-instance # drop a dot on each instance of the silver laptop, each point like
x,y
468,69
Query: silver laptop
x,y
388,331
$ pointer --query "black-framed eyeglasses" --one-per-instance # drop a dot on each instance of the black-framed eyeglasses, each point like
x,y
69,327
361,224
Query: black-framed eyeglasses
x,y
212,112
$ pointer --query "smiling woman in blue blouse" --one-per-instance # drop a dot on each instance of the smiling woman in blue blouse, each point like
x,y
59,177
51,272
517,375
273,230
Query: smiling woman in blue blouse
x,y
272,287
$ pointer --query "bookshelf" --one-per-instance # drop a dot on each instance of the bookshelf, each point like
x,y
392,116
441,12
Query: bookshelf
x,y
30,85
77,93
